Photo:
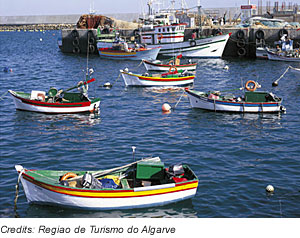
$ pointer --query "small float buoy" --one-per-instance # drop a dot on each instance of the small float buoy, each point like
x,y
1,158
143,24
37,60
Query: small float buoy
x,y
270,189
166,107
226,67
6,70
107,85
41,39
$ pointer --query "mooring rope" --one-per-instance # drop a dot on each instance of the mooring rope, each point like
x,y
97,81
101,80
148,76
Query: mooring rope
x,y
275,83
2,97
179,99
17,189
139,65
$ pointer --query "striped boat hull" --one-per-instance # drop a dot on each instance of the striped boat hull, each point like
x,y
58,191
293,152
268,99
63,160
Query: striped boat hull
x,y
165,67
131,79
148,54
106,199
54,108
211,47
202,102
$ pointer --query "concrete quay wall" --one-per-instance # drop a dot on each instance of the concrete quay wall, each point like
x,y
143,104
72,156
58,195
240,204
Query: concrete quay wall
x,y
242,42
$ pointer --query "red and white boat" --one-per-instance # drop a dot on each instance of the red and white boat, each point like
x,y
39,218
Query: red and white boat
x,y
55,102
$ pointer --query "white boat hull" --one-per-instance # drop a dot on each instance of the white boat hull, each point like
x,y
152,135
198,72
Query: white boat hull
x,y
211,47
273,56
148,54
26,106
157,67
131,79
225,106
261,53
40,195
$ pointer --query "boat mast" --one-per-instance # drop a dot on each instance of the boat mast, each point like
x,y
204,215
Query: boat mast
x,y
199,14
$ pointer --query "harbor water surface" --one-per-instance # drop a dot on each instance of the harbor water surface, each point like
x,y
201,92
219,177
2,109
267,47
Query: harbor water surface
x,y
235,156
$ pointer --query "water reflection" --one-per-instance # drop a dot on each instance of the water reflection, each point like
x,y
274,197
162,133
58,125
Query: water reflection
x,y
179,210
83,119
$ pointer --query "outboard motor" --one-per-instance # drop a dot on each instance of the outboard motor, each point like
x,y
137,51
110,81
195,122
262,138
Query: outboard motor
x,y
176,170
89,181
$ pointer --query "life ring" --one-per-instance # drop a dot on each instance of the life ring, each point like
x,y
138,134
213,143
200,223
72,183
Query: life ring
x,y
240,34
251,89
42,96
193,43
159,36
259,34
68,176
241,43
173,67
241,52
170,62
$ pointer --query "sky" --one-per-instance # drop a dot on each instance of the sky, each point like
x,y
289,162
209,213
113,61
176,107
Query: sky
x,y
66,7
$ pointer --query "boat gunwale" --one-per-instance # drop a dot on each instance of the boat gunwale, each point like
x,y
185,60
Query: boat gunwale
x,y
234,103
64,190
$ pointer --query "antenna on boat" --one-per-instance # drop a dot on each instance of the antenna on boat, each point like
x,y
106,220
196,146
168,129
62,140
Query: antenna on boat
x,y
133,152
134,174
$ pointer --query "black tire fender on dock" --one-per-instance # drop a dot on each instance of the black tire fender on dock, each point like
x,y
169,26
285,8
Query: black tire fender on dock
x,y
75,42
282,32
241,43
76,50
74,34
92,48
193,43
241,52
91,40
259,34
240,34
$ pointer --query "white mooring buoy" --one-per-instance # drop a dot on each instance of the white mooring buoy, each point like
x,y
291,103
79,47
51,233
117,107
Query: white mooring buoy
x,y
166,107
226,67
270,189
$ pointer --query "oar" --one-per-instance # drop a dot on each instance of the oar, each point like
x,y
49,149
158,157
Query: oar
x,y
89,81
101,173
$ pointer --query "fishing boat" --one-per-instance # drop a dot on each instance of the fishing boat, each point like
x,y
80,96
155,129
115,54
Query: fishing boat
x,y
163,28
171,78
56,101
144,183
158,65
131,54
252,101
121,51
284,56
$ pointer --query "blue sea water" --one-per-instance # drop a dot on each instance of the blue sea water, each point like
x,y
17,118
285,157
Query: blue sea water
x,y
235,156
